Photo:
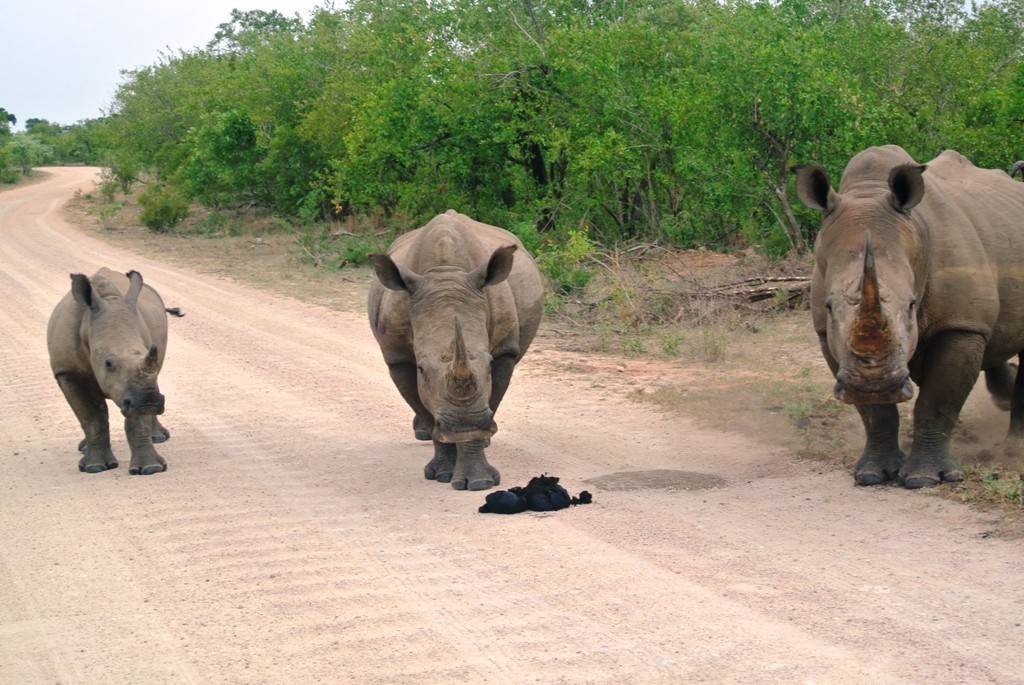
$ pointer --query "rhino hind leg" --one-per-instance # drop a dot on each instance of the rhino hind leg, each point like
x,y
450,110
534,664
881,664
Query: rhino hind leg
x,y
472,471
1000,382
420,429
1013,446
442,466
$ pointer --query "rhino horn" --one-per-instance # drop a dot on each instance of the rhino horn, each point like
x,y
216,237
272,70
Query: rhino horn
x,y
134,288
871,335
460,377
149,364
869,300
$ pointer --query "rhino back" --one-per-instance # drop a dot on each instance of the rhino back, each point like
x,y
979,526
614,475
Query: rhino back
x,y
64,340
975,219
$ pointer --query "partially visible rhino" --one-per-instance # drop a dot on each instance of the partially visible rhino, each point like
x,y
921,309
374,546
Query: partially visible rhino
x,y
454,307
919,275
107,339
1017,168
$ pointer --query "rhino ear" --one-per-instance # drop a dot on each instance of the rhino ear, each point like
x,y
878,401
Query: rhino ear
x,y
394,276
149,364
497,268
81,290
906,186
813,187
134,287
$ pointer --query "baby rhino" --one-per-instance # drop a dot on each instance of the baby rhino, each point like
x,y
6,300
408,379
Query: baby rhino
x,y
107,339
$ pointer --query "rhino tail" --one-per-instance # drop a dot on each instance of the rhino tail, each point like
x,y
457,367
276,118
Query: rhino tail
x,y
175,311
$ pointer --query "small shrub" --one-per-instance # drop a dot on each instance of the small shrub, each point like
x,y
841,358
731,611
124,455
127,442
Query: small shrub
x,y
715,343
323,247
163,208
1003,486
671,341
565,266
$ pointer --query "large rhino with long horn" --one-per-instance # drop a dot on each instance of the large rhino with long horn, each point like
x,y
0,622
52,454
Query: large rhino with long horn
x,y
107,338
918,276
454,307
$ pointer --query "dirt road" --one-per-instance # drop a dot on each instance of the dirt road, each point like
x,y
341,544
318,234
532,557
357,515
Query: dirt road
x,y
294,540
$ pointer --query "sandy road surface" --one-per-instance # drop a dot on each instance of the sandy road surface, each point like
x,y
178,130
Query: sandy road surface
x,y
294,539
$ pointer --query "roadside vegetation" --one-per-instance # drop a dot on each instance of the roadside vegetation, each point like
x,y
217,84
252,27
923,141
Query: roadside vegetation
x,y
608,136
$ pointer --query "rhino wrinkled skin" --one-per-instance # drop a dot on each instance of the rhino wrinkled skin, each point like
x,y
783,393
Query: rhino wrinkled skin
x,y
107,338
918,276
454,307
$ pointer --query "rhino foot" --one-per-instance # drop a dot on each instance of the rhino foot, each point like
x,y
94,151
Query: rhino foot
x,y
89,465
147,464
864,478
876,468
472,471
442,466
476,485
159,433
147,470
928,480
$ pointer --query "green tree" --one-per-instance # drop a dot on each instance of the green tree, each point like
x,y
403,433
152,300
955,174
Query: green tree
x,y
27,152
7,120
657,120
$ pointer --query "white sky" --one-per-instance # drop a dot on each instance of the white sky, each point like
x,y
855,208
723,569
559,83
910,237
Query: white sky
x,y
61,60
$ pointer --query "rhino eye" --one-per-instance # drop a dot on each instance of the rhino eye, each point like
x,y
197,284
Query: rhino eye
x,y
109,363
828,306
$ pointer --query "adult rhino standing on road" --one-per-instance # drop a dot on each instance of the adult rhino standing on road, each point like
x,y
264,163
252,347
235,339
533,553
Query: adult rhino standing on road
x,y
919,275
454,307
107,339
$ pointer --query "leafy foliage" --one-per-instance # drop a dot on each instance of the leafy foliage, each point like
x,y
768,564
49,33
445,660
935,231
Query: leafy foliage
x,y
661,121
163,208
27,151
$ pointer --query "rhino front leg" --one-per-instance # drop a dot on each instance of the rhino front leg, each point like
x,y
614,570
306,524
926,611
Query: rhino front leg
x,y
442,466
90,407
145,459
472,472
404,377
501,375
882,457
949,371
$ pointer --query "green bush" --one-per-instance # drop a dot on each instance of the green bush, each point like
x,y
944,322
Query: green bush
x,y
324,248
163,208
564,264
